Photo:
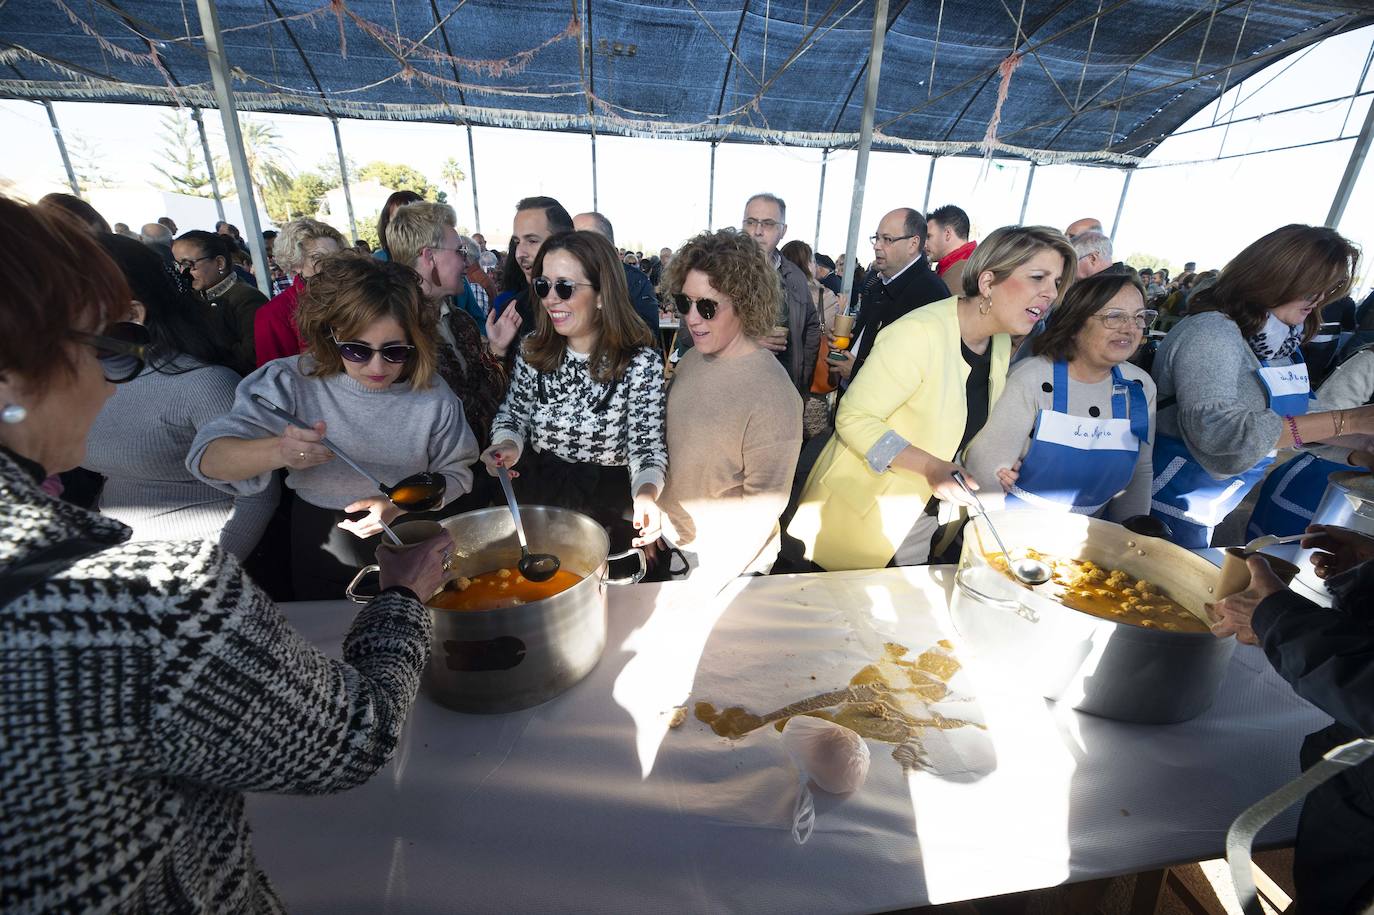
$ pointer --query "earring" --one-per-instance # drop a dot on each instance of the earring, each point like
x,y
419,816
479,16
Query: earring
x,y
13,413
986,305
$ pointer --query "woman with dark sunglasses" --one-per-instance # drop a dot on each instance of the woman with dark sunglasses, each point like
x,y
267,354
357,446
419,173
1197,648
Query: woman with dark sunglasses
x,y
146,686
734,416
366,381
140,439
583,417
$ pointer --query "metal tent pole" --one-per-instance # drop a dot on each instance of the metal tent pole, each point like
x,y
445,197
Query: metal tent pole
x,y
233,138
711,191
875,65
820,200
1025,201
209,163
594,202
343,174
1352,171
930,181
62,148
472,171
1121,205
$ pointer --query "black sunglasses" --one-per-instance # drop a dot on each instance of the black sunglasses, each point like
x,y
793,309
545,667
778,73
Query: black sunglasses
x,y
705,307
122,349
361,353
564,288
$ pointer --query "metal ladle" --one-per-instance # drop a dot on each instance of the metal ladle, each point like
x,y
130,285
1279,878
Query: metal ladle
x,y
1027,571
534,566
418,492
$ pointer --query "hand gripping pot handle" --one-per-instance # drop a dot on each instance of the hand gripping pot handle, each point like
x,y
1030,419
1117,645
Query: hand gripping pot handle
x,y
633,579
352,590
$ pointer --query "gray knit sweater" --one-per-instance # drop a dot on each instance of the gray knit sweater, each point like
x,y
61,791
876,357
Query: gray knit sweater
x,y
144,689
139,444
1222,413
393,433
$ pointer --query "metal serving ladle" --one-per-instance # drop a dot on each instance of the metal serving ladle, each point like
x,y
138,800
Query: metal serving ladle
x,y
534,566
418,492
1027,571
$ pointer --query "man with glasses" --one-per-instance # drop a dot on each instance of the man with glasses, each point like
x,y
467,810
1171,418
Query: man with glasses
x,y
899,282
765,218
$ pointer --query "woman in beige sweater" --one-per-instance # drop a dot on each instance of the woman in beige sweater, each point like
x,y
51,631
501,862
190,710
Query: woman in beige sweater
x,y
734,417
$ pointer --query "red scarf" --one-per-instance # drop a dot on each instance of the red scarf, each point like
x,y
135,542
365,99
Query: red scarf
x,y
960,253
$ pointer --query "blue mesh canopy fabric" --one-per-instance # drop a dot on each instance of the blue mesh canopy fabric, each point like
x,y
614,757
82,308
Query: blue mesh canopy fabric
x,y
1103,80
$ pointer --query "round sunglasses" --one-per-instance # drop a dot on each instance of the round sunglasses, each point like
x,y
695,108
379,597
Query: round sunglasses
x,y
705,307
361,353
565,288
122,348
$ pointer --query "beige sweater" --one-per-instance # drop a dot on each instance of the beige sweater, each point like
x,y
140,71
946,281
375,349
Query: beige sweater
x,y
734,434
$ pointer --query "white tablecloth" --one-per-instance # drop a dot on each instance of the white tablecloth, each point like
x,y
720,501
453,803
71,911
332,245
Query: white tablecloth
x,y
591,803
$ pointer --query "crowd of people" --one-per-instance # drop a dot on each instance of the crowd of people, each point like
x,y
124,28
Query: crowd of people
x,y
771,436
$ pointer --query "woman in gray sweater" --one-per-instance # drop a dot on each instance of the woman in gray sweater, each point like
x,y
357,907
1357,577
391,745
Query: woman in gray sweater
x,y
1232,383
367,382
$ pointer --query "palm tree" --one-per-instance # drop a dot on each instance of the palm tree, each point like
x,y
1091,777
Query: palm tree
x,y
269,164
452,173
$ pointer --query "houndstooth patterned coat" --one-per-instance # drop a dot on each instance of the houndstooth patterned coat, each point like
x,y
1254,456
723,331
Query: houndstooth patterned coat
x,y
143,690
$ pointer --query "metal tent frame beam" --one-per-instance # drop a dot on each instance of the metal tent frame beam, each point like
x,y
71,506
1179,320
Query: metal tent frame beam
x,y
62,148
209,161
856,205
1353,167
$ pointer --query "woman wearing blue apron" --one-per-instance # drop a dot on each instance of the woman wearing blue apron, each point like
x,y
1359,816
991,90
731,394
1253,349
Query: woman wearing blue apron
x,y
1072,430
1290,495
1232,384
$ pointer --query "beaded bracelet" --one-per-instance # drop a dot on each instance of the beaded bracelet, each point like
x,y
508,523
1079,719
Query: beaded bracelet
x,y
1293,427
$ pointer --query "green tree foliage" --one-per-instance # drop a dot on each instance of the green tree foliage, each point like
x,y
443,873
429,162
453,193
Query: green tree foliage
x,y
452,173
182,160
268,165
88,163
307,194
328,170
367,230
1141,261
398,177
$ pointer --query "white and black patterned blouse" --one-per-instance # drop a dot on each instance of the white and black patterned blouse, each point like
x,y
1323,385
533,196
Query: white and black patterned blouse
x,y
583,421
143,689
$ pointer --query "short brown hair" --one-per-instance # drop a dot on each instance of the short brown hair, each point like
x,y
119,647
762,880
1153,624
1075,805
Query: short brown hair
x,y
1084,299
1286,265
737,267
353,290
58,280
1011,246
289,246
622,331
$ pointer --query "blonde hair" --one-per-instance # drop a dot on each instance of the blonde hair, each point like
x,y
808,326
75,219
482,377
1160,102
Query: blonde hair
x,y
1011,246
737,267
289,247
352,291
415,227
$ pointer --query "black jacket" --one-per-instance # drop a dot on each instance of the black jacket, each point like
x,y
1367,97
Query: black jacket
x,y
882,304
1327,655
642,297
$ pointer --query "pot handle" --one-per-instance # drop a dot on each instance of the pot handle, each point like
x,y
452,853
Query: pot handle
x,y
638,574
1018,607
350,591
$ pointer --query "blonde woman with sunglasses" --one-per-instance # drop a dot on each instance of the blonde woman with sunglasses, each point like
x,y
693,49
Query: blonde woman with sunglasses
x,y
367,381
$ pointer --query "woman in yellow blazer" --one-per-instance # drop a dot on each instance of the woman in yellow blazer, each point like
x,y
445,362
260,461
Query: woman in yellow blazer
x,y
924,391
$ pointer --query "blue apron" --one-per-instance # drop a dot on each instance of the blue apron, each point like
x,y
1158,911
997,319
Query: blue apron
x,y
1290,496
1078,464
1188,498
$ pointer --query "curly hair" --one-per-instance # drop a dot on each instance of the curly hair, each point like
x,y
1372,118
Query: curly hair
x,y
353,290
738,269
289,247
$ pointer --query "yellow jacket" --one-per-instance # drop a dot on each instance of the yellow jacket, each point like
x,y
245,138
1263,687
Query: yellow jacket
x,y
913,384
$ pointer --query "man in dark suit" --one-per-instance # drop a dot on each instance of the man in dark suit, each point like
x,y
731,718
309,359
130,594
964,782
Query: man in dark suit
x,y
765,218
899,281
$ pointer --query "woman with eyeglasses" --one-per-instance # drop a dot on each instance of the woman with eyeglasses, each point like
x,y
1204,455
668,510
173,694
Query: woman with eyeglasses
x,y
581,425
367,381
145,686
1072,430
1232,383
732,456
208,261
874,496
300,248
140,439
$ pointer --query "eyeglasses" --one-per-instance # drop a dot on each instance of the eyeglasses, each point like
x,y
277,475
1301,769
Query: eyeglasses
x,y
752,223
461,252
1316,297
1120,320
122,350
565,288
887,241
361,353
190,263
705,307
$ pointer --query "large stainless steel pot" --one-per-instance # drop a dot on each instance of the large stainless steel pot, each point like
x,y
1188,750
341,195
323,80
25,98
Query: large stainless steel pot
x,y
517,657
1347,502
1106,668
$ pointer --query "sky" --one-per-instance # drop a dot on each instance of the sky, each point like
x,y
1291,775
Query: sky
x,y
1185,204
